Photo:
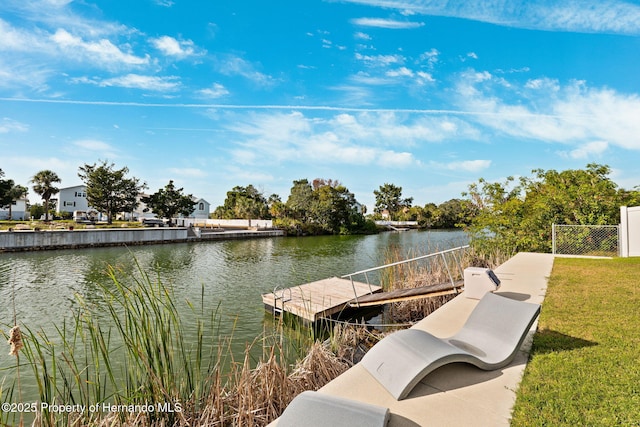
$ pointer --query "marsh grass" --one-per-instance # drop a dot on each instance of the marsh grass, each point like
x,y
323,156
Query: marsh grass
x,y
428,272
585,359
151,356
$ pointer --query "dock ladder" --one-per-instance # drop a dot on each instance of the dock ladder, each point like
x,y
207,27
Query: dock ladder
x,y
279,294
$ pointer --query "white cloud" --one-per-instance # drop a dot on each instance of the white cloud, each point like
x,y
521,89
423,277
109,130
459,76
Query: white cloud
x,y
170,46
431,57
381,138
380,60
137,81
591,16
395,159
386,23
468,165
15,39
361,36
102,50
93,145
8,125
546,111
590,149
232,65
215,91
188,172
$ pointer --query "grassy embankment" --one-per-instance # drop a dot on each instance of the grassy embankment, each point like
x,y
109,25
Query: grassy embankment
x,y
585,360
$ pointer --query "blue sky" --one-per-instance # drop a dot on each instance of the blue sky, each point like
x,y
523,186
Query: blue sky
x,y
429,95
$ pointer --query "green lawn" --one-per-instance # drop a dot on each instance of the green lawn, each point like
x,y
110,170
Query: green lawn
x,y
585,361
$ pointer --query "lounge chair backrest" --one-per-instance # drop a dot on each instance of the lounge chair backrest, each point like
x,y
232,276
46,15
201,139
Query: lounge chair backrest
x,y
489,339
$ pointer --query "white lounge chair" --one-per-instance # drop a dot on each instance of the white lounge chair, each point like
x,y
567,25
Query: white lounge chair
x,y
313,409
489,339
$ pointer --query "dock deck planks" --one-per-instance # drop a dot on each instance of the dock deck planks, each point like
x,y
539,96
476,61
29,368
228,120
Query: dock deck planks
x,y
315,300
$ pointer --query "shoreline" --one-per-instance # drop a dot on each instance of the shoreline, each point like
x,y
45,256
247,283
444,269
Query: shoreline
x,y
43,240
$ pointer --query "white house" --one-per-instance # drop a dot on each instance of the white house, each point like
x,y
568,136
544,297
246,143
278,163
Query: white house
x,y
73,199
18,210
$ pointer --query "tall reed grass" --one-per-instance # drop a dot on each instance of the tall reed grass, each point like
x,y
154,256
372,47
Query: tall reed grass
x,y
428,272
152,368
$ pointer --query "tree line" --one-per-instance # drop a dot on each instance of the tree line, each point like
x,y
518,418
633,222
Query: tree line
x,y
109,190
513,215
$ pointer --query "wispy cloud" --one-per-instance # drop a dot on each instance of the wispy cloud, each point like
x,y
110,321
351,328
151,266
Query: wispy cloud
x,y
136,81
173,47
233,65
464,165
188,172
380,60
591,16
586,151
382,139
545,110
101,148
386,23
8,125
215,91
102,50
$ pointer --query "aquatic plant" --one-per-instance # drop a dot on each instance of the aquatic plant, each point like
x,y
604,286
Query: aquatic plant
x,y
153,368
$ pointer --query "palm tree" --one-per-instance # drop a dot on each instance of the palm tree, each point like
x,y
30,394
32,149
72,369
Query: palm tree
x,y
43,186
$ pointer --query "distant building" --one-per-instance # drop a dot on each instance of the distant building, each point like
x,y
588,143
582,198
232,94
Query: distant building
x,y
73,199
201,209
18,210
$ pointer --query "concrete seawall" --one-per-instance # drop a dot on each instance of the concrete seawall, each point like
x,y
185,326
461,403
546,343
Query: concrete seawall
x,y
18,241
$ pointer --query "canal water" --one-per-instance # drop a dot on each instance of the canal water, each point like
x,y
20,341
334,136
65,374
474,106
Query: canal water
x,y
40,288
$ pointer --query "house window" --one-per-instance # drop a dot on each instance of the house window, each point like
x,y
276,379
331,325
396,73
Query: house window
x,y
201,206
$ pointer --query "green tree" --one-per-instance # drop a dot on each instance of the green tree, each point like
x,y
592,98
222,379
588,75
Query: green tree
x,y
389,198
109,191
326,207
277,209
6,185
333,206
455,213
519,217
168,202
36,210
300,200
243,202
43,185
16,193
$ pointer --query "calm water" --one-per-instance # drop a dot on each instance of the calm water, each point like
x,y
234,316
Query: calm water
x,y
233,274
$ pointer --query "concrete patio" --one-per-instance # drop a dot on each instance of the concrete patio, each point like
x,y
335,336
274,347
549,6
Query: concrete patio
x,y
458,394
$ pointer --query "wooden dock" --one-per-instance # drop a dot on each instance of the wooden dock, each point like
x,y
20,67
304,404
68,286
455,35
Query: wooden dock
x,y
315,300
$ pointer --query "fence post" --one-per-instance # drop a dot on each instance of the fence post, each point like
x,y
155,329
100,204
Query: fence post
x,y
624,232
553,238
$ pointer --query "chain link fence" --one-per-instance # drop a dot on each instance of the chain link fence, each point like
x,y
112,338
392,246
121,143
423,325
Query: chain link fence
x,y
594,240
